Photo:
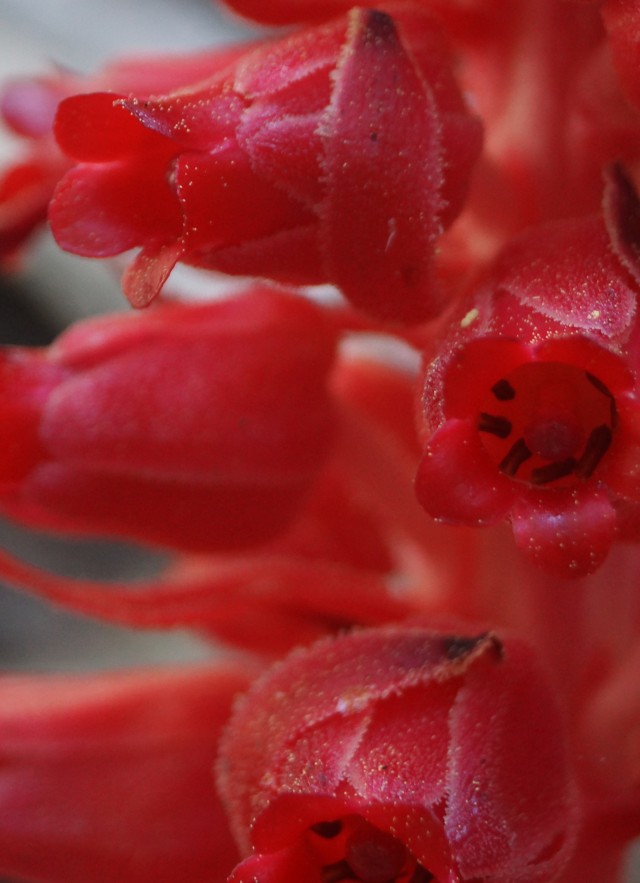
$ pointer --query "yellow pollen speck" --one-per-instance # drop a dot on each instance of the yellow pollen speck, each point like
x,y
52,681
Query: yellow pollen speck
x,y
471,317
594,314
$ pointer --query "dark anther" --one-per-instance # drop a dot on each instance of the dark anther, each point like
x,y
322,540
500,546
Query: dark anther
x,y
458,646
596,447
336,872
421,875
553,471
503,391
327,829
518,453
599,385
499,426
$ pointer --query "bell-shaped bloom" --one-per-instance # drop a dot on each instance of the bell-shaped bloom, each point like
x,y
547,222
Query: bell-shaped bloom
x,y
530,403
193,427
359,550
336,154
400,754
28,108
109,776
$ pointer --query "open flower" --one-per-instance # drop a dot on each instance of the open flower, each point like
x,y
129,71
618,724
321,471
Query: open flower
x,y
28,107
404,755
194,427
336,154
530,403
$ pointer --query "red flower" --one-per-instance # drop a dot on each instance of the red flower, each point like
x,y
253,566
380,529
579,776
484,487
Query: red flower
x,y
400,755
195,427
530,403
108,777
28,108
337,154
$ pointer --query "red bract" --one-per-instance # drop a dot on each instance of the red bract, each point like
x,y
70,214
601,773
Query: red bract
x,y
530,405
400,755
337,154
108,777
197,427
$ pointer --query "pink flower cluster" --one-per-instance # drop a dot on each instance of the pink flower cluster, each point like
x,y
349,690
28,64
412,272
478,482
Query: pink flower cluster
x,y
410,506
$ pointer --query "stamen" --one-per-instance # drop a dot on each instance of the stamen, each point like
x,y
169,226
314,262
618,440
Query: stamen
x,y
596,447
518,453
376,856
421,875
503,391
553,471
327,829
336,872
599,385
494,424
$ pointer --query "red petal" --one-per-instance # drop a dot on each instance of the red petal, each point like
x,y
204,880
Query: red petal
x,y
202,119
145,276
621,208
283,12
273,68
181,402
284,150
289,256
474,369
457,480
403,775
384,177
511,809
565,278
195,517
287,866
566,532
97,128
225,204
99,211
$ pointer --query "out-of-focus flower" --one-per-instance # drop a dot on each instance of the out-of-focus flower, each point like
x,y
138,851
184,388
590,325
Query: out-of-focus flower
x,y
530,403
194,427
359,550
28,107
109,776
622,19
281,12
400,755
338,154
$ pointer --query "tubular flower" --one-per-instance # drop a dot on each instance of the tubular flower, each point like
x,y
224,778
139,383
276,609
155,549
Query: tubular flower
x,y
108,776
194,427
400,754
530,406
337,154
28,108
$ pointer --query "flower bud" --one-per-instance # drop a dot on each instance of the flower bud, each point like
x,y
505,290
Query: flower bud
x,y
400,754
195,427
336,154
